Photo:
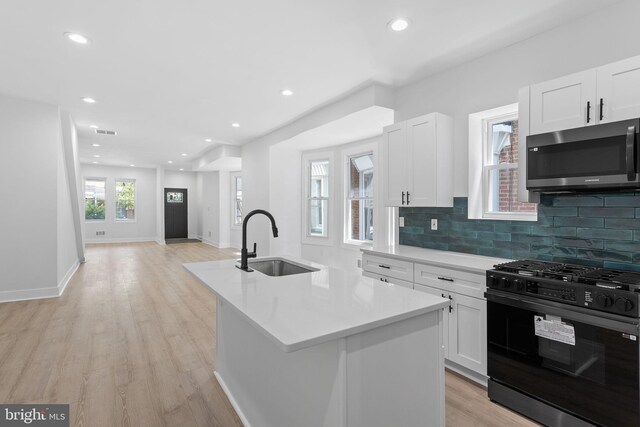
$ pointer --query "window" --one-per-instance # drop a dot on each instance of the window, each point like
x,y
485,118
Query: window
x,y
94,197
236,199
493,182
359,203
317,198
125,200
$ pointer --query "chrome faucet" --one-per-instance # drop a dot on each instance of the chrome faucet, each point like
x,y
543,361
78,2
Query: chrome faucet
x,y
245,254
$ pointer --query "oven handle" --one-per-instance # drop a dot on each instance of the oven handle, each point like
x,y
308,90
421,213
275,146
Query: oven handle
x,y
603,320
631,153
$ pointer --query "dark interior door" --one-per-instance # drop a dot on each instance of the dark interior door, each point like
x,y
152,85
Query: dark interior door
x,y
175,213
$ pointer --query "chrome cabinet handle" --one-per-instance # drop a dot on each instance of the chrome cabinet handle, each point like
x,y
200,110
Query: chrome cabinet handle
x,y
403,197
601,109
384,266
588,111
407,198
446,279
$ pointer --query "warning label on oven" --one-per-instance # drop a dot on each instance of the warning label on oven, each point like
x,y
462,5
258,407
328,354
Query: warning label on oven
x,y
554,329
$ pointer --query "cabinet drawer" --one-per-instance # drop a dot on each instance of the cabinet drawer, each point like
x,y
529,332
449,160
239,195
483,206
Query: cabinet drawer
x,y
447,279
391,267
387,279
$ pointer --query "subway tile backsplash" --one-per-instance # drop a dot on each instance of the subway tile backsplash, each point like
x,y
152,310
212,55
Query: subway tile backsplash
x,y
601,230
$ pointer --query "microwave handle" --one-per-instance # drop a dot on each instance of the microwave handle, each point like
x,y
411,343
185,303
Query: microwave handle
x,y
631,153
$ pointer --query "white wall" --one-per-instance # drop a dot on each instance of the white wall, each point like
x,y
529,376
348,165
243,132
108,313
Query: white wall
x,y
188,180
144,226
285,191
37,246
493,80
255,194
210,208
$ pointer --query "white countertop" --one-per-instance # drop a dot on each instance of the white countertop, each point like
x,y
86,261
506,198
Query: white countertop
x,y
457,260
304,310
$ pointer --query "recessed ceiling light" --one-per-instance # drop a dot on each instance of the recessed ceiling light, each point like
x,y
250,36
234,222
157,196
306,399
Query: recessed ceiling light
x,y
132,165
399,24
96,155
184,154
78,38
96,145
89,100
207,140
286,92
93,126
95,163
169,161
235,125
181,169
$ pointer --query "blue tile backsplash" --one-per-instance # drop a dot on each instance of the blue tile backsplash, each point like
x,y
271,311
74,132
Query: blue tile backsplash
x,y
601,230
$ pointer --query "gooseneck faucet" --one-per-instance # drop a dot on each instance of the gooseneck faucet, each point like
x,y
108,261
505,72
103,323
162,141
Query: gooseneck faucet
x,y
245,254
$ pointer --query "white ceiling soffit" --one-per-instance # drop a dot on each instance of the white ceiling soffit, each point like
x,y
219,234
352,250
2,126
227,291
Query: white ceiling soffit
x,y
358,126
222,158
167,75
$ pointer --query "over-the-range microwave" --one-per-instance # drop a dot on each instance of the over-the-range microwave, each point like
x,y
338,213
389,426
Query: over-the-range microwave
x,y
592,158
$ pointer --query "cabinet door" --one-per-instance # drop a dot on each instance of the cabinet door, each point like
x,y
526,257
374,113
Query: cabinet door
x,y
395,164
421,139
562,103
445,314
619,90
468,333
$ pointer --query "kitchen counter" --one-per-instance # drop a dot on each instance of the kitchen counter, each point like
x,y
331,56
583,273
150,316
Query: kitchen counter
x,y
303,310
459,261
301,349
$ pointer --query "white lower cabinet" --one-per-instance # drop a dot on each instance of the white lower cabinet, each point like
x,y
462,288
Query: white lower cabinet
x,y
465,329
387,279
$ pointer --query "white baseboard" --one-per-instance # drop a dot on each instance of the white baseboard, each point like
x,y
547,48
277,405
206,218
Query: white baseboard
x,y
123,240
160,242
235,405
40,293
67,277
216,244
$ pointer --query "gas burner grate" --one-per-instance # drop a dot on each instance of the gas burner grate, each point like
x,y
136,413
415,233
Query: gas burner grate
x,y
566,272
527,267
605,276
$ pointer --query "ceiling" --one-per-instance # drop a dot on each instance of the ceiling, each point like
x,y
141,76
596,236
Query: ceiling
x,y
167,74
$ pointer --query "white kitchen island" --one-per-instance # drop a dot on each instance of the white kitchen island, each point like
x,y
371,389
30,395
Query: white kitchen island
x,y
329,348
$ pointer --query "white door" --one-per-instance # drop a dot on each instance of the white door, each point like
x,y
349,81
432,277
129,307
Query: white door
x,y
445,314
421,138
395,164
619,90
563,103
468,333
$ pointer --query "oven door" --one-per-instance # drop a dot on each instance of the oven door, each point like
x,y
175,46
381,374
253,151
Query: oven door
x,y
583,364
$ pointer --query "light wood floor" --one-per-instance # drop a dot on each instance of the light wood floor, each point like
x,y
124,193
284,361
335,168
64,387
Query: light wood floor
x,y
132,343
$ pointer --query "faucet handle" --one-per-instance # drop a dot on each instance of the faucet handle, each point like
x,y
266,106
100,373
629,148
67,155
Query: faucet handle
x,y
253,254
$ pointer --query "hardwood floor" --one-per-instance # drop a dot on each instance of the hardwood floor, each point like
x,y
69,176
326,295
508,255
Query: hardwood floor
x,y
132,343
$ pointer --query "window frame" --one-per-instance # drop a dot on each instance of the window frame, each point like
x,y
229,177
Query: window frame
x,y
84,189
347,154
234,176
135,200
480,170
307,159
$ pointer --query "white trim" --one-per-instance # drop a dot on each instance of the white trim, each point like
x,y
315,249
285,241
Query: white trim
x,y
123,240
232,400
346,154
478,153
41,293
219,245
307,158
232,178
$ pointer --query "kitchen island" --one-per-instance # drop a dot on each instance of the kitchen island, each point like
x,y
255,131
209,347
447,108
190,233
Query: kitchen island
x,y
326,348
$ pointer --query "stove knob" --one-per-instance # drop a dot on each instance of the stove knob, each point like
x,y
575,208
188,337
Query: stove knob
x,y
604,300
505,282
519,284
624,304
492,280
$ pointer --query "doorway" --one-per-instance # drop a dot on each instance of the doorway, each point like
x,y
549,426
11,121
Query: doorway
x,y
175,213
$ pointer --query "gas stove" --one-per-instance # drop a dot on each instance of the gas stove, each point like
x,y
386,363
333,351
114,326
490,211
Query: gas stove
x,y
602,289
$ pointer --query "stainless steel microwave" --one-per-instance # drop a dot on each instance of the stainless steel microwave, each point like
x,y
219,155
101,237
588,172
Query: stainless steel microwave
x,y
592,158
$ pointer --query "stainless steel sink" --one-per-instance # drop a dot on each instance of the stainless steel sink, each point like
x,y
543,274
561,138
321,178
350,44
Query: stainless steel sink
x,y
279,267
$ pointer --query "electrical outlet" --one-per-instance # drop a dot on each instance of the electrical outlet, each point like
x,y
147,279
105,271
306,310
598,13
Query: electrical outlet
x,y
209,234
434,224
100,233
401,220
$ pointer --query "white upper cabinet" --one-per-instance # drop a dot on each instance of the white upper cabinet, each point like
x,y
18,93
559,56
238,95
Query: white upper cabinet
x,y
618,94
418,162
563,103
599,95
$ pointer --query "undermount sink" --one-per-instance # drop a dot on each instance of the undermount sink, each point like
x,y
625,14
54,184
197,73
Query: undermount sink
x,y
279,267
